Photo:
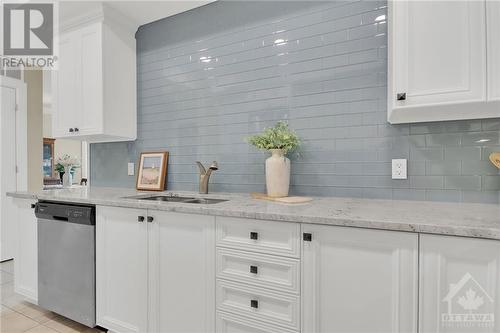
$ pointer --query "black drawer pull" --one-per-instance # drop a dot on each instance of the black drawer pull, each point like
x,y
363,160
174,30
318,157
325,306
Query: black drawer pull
x,y
254,304
254,235
150,219
254,269
307,237
140,218
401,96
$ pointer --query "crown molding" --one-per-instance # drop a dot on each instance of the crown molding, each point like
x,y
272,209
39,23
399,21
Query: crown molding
x,y
100,13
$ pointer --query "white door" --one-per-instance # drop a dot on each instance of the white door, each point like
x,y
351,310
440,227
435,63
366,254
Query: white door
x,y
359,280
26,260
13,150
493,33
459,284
121,269
182,272
438,52
66,82
8,176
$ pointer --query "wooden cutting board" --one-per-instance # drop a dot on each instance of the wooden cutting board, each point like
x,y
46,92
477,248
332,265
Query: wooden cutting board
x,y
495,159
289,200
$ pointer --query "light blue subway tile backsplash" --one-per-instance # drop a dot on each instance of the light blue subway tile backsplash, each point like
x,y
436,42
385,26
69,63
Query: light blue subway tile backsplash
x,y
210,77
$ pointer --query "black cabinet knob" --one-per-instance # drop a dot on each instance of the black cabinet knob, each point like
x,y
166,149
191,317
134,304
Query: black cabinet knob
x,y
401,96
254,269
254,235
254,303
140,218
307,237
71,130
150,219
76,129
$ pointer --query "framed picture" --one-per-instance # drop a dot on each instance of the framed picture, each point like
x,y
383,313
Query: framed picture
x,y
152,171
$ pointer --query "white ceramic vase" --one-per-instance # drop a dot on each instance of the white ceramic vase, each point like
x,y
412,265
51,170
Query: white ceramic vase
x,y
277,174
67,177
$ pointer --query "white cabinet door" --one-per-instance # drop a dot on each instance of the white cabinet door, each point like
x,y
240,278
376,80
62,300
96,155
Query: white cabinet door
x,y
66,86
26,256
493,33
437,57
121,269
90,118
182,272
358,280
459,284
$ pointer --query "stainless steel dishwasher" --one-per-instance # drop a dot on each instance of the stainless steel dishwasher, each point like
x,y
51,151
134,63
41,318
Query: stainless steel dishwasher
x,y
66,260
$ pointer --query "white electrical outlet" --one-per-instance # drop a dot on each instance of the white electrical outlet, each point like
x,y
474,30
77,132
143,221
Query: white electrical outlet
x,y
399,169
131,169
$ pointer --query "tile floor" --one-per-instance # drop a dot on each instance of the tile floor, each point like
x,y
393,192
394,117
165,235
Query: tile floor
x,y
17,315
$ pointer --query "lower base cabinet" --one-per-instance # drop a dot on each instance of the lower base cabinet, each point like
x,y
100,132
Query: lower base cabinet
x,y
26,252
357,280
158,272
155,271
181,273
122,269
459,284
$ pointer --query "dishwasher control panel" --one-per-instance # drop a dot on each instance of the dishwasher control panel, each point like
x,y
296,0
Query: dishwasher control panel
x,y
68,212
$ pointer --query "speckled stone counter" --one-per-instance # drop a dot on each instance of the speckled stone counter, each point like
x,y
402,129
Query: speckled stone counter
x,y
471,220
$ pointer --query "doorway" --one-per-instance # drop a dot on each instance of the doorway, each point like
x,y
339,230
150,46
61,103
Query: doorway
x,y
13,157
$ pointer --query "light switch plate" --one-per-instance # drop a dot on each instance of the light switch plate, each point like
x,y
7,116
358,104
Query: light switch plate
x,y
131,169
399,169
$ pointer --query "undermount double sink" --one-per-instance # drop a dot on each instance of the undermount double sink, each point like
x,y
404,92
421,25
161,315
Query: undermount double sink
x,y
173,198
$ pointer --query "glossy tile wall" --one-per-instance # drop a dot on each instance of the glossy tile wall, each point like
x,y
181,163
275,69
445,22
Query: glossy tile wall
x,y
210,77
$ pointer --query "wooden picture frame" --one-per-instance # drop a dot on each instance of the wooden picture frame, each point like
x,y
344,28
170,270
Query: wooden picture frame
x,y
152,171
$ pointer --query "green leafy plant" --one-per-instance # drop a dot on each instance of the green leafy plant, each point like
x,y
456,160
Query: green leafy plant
x,y
278,137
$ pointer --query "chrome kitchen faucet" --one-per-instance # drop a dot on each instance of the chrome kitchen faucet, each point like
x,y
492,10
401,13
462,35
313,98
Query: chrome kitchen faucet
x,y
205,175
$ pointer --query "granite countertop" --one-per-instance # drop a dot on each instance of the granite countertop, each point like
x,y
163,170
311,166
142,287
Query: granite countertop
x,y
472,220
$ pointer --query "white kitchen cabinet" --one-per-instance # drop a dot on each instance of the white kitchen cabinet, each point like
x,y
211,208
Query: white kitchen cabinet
x,y
181,272
94,87
26,254
155,271
493,40
459,276
122,269
358,280
438,61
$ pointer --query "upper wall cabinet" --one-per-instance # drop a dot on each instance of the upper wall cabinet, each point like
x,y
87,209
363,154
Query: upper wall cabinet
x,y
439,66
95,85
493,40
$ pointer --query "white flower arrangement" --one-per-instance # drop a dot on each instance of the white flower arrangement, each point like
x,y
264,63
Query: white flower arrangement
x,y
68,161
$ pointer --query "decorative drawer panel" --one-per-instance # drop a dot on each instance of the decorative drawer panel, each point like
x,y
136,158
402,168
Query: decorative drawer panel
x,y
279,273
279,238
259,304
229,323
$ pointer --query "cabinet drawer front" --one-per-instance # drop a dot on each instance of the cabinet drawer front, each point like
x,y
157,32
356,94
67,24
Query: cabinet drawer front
x,y
229,323
282,274
280,238
259,304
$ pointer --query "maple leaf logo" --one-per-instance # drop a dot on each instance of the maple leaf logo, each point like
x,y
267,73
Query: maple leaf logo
x,y
471,301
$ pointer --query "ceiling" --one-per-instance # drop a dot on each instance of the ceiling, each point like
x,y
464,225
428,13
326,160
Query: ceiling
x,y
141,12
